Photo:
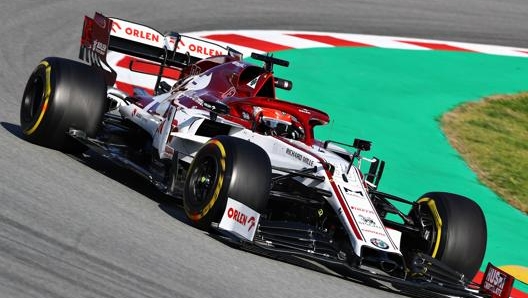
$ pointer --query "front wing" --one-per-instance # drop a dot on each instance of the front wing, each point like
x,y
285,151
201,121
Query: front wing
x,y
437,279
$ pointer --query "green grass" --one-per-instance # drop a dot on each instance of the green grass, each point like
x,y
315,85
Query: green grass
x,y
492,137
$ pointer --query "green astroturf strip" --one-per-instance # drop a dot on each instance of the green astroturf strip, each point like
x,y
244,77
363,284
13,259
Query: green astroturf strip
x,y
394,98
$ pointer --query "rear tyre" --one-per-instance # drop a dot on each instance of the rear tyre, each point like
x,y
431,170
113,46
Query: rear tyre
x,y
61,94
226,167
454,229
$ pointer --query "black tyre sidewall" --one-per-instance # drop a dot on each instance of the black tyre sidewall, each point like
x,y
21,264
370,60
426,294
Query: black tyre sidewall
x,y
33,100
463,237
77,99
251,176
246,179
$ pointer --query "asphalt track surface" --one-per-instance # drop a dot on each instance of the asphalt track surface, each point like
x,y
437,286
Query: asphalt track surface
x,y
71,228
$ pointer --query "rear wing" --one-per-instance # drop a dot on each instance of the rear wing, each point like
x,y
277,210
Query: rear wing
x,y
145,42
102,34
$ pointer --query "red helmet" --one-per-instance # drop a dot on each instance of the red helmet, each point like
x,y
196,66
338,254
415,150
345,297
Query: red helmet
x,y
276,122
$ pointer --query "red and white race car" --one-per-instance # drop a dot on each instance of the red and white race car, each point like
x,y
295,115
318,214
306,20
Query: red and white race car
x,y
246,164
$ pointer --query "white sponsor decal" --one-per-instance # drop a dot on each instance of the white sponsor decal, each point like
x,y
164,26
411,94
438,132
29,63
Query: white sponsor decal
x,y
199,48
253,83
368,221
99,47
353,194
379,243
230,92
137,32
240,219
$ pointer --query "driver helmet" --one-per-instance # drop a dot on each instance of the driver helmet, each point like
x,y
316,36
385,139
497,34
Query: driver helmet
x,y
275,122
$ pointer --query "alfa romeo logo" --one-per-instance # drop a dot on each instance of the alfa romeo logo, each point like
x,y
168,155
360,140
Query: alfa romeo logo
x,y
379,243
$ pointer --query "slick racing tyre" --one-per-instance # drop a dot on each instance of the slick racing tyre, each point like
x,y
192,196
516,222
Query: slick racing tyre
x,y
226,167
455,230
61,94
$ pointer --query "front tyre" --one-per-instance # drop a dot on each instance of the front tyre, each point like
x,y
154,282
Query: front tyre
x,y
61,94
226,167
454,230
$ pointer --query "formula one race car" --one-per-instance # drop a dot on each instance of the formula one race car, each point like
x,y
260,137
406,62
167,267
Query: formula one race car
x,y
246,164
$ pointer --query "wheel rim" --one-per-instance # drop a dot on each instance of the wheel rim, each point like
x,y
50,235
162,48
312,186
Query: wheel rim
x,y
428,228
203,181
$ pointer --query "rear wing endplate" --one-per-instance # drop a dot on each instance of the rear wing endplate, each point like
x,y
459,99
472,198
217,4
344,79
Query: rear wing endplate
x,y
94,45
497,282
